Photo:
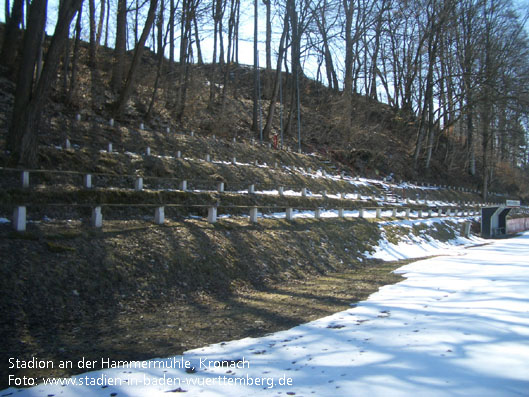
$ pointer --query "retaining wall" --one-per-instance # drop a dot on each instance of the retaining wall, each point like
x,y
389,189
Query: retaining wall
x,y
517,225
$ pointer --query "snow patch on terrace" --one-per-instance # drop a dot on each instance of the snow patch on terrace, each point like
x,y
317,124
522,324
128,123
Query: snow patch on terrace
x,y
413,246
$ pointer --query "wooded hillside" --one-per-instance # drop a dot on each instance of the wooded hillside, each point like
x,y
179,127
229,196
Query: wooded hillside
x,y
434,90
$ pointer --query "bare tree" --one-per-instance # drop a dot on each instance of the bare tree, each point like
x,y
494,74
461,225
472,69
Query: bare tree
x,y
268,39
133,70
12,29
120,46
255,109
75,57
31,94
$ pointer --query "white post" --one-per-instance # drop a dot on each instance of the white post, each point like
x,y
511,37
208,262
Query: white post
x,y
109,148
251,189
343,195
324,194
234,161
138,184
88,181
220,187
97,217
317,213
142,126
208,158
78,117
378,213
289,214
269,146
408,213
256,163
253,214
67,144
214,137
394,213
212,214
178,154
466,229
183,185
281,190
304,192
148,151
111,122
159,215
192,133
309,170
341,213
25,179
275,164
419,213
361,213
234,139
19,219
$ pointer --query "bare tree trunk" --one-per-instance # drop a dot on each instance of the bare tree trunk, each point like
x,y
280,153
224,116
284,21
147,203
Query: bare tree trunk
x,y
107,23
75,56
28,107
231,48
160,56
275,91
120,47
172,12
65,67
236,31
348,74
188,16
321,22
129,83
100,24
200,60
215,10
26,70
136,20
255,121
7,11
374,60
9,46
268,40
92,44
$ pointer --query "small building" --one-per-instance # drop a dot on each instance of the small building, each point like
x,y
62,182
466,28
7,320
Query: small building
x,y
494,219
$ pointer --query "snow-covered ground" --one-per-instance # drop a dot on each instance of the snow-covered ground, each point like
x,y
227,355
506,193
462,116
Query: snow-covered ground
x,y
458,325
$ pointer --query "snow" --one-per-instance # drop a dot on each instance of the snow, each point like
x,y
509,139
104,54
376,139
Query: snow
x,y
413,246
458,325
317,174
